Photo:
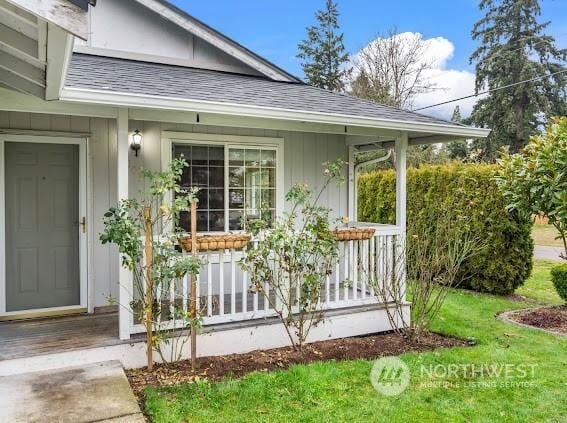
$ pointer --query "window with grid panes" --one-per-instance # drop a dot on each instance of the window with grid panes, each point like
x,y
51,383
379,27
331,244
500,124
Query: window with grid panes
x,y
248,191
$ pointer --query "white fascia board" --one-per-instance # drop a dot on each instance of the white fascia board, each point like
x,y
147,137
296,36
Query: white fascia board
x,y
59,50
82,95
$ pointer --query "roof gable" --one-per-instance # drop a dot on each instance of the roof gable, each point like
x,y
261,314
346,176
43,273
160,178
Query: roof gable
x,y
158,32
217,39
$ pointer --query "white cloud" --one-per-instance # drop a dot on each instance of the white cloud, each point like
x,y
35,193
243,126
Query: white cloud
x,y
450,83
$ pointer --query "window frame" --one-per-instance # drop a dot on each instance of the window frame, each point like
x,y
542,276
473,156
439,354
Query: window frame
x,y
169,138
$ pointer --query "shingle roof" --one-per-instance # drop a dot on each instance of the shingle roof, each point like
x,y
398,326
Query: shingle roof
x,y
134,77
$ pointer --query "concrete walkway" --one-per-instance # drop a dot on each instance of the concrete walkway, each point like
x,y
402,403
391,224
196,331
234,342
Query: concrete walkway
x,y
547,253
97,392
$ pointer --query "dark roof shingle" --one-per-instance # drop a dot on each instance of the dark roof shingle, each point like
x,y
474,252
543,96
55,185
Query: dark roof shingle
x,y
134,77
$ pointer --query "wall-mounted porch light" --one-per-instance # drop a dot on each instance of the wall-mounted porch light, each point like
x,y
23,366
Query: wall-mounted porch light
x,y
136,141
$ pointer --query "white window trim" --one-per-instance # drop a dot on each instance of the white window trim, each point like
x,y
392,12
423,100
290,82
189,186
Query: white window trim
x,y
168,138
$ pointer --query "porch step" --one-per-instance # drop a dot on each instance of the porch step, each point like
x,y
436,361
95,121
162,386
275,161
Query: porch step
x,y
96,392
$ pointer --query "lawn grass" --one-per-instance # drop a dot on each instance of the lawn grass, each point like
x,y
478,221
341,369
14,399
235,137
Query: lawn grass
x,y
545,235
539,286
341,391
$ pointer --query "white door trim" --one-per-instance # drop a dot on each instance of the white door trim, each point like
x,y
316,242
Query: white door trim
x,y
83,211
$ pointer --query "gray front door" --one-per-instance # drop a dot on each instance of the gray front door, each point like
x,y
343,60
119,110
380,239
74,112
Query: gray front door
x,y
42,225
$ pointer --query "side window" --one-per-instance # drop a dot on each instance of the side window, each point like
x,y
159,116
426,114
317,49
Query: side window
x,y
252,185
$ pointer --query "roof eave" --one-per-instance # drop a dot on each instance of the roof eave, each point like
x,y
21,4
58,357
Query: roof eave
x,y
121,99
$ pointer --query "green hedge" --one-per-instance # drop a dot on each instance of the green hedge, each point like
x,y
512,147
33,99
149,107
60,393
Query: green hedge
x,y
559,278
506,261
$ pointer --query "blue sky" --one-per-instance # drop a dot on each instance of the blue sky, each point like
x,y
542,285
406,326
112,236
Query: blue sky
x,y
274,28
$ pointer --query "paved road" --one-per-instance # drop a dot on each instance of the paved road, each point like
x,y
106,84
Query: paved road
x,y
547,253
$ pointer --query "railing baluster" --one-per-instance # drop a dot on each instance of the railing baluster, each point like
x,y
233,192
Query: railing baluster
x,y
244,291
354,251
372,270
337,278
232,283
221,282
185,285
255,301
171,299
327,289
364,276
389,265
267,295
346,271
209,285
198,292
255,294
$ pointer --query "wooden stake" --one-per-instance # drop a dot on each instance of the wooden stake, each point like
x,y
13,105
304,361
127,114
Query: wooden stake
x,y
149,295
193,302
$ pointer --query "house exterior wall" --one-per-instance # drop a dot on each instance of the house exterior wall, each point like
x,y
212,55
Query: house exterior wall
x,y
128,27
304,154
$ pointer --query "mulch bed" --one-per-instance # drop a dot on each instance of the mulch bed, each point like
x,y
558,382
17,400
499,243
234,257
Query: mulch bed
x,y
238,365
549,318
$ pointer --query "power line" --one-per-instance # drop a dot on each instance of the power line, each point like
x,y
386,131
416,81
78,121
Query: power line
x,y
492,90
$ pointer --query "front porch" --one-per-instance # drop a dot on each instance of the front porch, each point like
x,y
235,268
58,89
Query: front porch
x,y
235,318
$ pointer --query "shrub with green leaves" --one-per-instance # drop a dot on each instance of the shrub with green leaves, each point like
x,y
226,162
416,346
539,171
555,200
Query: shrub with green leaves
x,y
505,261
535,180
559,278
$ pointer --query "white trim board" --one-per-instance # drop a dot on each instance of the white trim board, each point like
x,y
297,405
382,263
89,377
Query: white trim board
x,y
83,211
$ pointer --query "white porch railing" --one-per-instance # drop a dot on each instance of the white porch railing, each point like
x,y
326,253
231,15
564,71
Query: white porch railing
x,y
226,295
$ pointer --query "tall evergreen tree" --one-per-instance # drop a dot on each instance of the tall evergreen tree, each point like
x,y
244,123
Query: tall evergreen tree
x,y
514,48
456,117
457,150
323,52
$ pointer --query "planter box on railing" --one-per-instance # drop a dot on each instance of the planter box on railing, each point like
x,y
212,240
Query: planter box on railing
x,y
216,242
354,234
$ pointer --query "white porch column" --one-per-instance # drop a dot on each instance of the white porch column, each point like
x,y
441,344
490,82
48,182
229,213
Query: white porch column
x,y
401,180
352,206
401,217
125,317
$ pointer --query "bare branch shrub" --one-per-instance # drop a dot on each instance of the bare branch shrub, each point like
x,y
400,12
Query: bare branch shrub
x,y
426,269
392,70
